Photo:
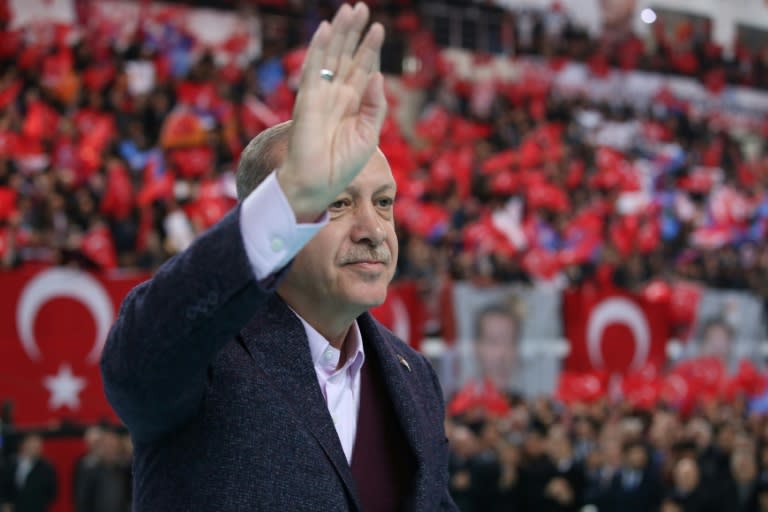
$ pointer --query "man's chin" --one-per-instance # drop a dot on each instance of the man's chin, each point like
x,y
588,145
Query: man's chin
x,y
367,299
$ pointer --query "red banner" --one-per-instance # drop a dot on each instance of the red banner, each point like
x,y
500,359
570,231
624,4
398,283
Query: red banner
x,y
614,331
53,323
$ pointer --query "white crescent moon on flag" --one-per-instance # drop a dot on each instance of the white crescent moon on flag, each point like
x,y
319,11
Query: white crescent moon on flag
x,y
69,283
618,310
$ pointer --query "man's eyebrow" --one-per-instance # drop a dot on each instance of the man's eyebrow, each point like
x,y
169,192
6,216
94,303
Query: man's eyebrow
x,y
354,191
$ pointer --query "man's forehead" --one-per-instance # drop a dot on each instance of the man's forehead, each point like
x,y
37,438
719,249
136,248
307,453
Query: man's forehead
x,y
375,177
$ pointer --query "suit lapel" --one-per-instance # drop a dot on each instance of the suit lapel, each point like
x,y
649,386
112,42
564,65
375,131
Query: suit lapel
x,y
396,372
278,344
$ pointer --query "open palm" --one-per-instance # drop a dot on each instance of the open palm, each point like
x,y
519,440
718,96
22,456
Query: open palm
x,y
336,123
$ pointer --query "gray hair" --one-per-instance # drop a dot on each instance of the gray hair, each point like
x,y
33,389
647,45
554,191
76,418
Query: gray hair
x,y
260,157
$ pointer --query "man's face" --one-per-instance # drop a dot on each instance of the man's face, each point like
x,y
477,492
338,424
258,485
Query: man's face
x,y
617,12
496,348
348,265
717,342
686,475
32,446
637,458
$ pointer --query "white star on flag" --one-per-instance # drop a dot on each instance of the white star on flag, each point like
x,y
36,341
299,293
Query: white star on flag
x,y
65,388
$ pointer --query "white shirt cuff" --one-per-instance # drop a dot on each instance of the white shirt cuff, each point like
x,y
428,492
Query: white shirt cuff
x,y
271,235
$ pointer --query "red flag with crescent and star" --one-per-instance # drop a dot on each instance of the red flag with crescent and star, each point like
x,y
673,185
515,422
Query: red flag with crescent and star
x,y
53,324
614,331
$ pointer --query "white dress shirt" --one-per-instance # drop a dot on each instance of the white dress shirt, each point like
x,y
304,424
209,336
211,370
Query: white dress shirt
x,y
272,237
340,386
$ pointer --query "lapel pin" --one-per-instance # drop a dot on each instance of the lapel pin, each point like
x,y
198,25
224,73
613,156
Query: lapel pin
x,y
403,362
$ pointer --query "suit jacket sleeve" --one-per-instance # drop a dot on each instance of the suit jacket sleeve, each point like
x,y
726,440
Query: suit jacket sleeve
x,y
156,356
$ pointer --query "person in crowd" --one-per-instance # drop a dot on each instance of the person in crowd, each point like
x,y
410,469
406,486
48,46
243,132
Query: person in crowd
x,y
565,488
87,461
637,486
687,491
105,485
741,489
30,482
509,492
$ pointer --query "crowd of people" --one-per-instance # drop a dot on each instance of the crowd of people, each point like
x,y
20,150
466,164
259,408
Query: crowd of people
x,y
100,476
604,456
528,185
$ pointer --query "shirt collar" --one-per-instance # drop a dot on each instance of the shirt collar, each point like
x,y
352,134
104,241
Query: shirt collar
x,y
319,347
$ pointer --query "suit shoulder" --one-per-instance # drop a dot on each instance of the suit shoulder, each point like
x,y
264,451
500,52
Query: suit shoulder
x,y
401,347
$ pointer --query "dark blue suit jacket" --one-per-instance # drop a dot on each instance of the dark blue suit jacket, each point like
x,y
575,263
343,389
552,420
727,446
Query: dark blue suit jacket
x,y
212,374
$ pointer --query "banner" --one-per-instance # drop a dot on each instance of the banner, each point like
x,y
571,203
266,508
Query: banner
x,y
614,331
519,353
53,324
730,324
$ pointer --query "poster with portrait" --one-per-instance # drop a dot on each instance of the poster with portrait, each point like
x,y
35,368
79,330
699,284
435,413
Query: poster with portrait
x,y
728,324
509,334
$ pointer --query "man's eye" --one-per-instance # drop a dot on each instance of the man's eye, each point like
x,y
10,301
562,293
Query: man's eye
x,y
338,205
385,202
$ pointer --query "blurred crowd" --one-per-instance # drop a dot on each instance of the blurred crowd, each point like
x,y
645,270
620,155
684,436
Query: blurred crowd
x,y
100,477
603,456
677,45
118,156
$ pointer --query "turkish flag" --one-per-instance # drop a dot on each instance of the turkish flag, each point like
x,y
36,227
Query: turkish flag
x,y
10,93
197,94
434,124
118,197
482,395
97,76
256,116
614,330
53,324
580,387
210,206
193,162
7,202
40,122
98,246
404,312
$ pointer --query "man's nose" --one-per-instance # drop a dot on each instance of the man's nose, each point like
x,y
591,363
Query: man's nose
x,y
369,226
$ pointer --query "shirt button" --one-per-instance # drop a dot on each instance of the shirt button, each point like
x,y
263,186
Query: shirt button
x,y
277,244
328,355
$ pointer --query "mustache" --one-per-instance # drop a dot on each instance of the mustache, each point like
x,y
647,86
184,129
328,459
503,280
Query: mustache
x,y
378,254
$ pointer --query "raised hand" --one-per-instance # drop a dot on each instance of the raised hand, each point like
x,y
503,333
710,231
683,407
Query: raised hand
x,y
339,111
